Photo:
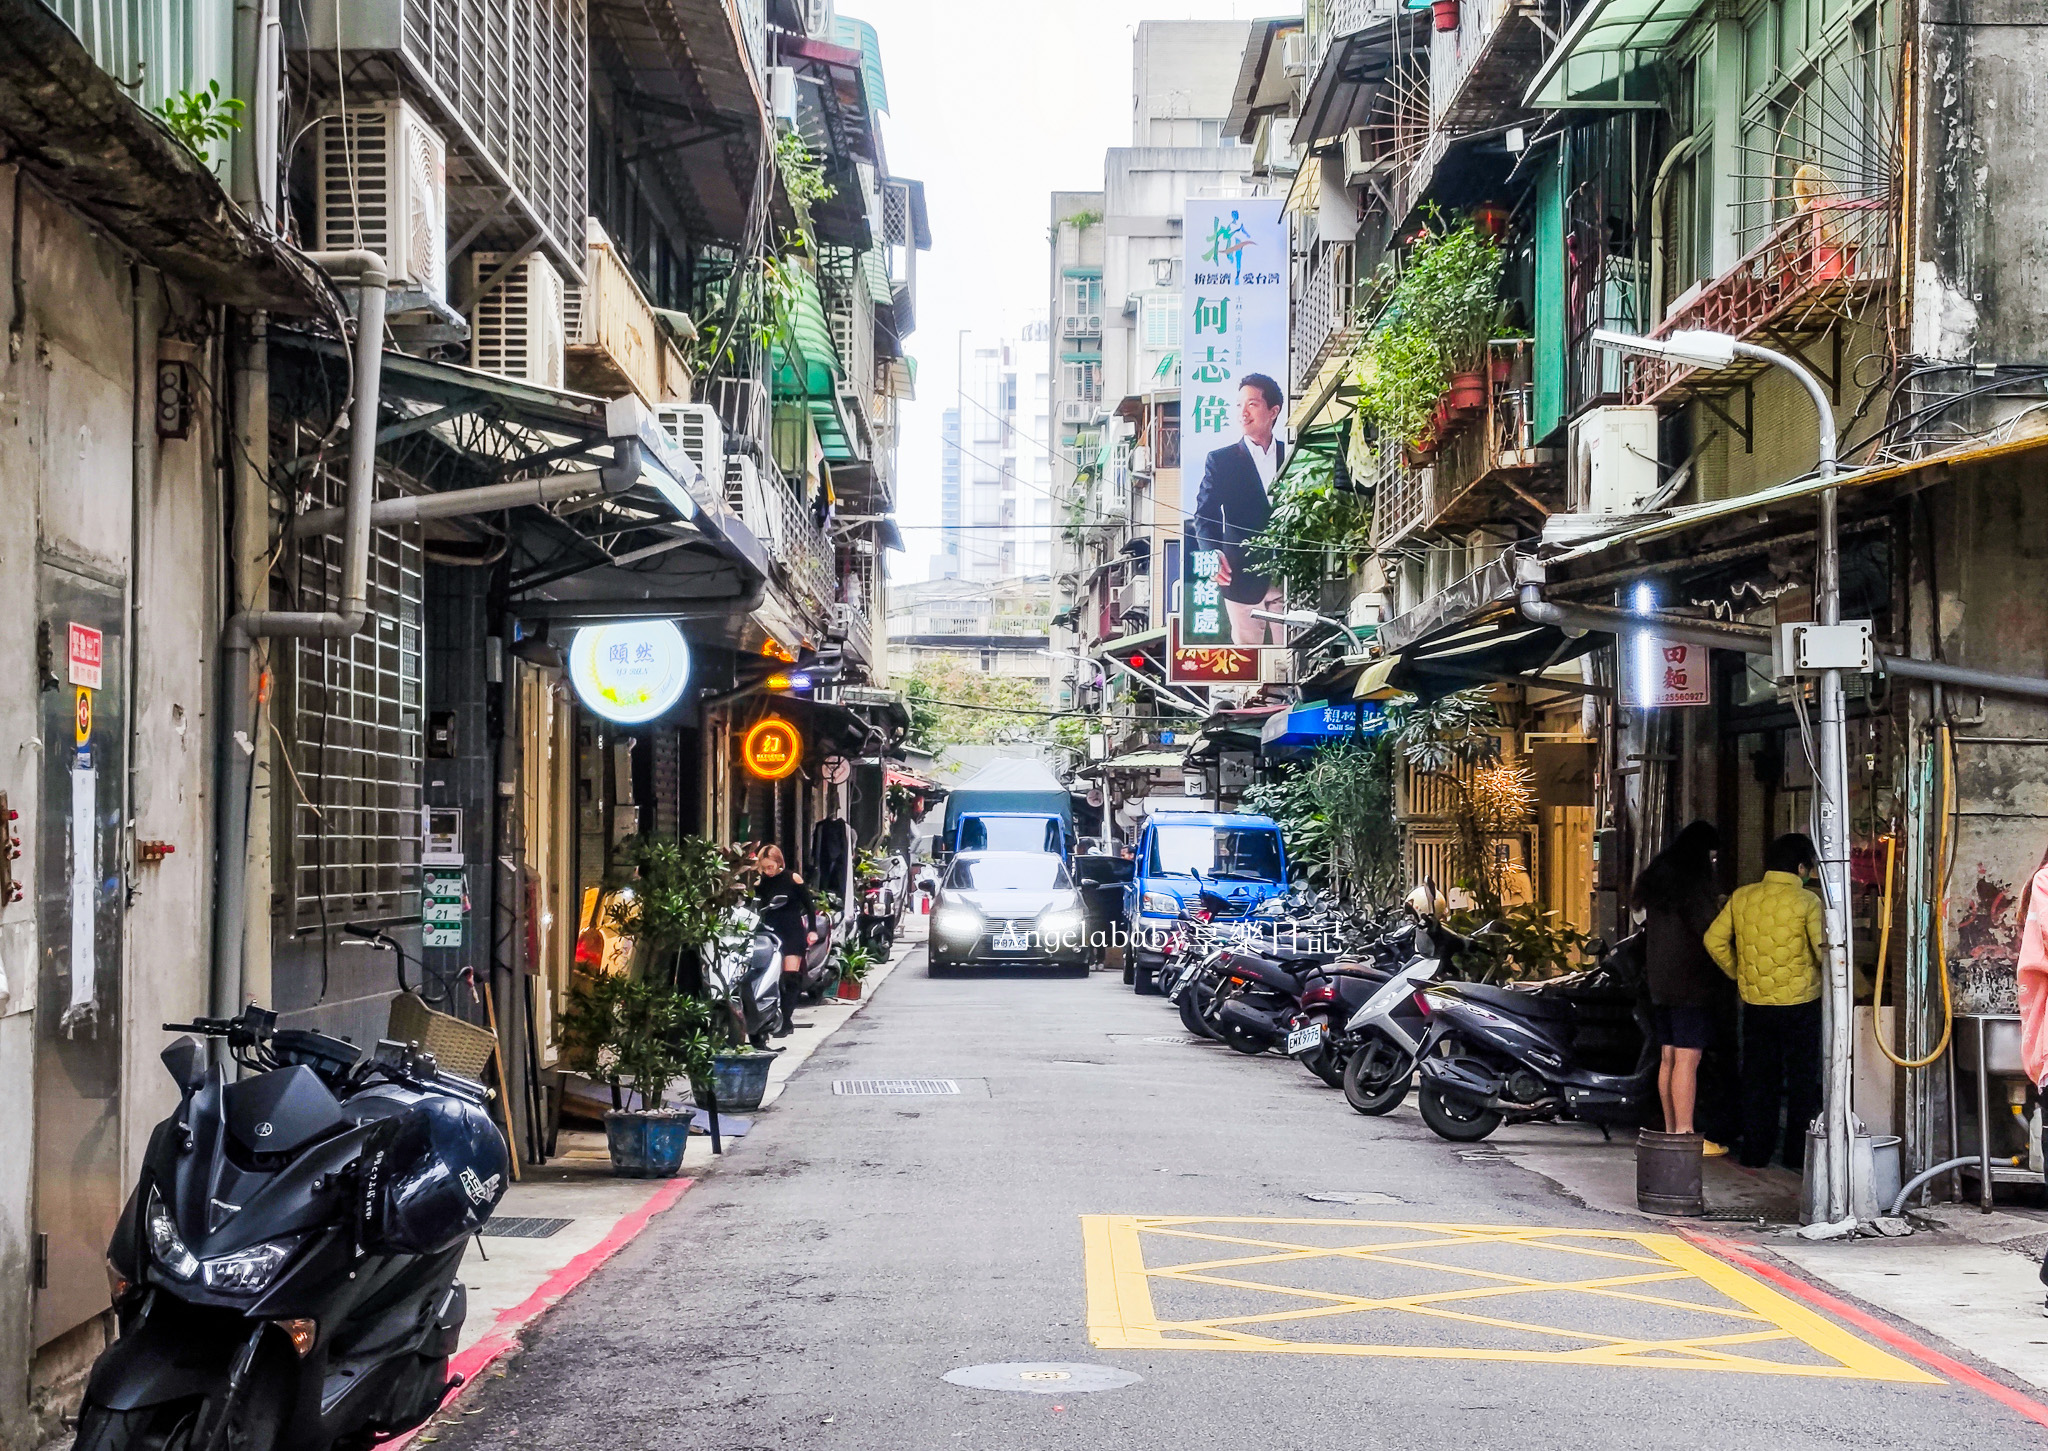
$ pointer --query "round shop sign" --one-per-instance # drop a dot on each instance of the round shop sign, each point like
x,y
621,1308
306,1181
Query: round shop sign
x,y
772,749
629,672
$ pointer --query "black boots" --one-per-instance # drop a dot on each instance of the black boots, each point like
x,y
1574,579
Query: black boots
x,y
791,983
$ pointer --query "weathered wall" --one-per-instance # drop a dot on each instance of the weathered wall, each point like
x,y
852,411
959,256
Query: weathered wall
x,y
68,482
1981,204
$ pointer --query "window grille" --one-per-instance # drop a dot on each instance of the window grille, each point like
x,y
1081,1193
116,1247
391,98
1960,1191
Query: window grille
x,y
355,711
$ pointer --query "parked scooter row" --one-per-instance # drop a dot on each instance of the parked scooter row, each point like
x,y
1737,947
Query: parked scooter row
x,y
1372,1008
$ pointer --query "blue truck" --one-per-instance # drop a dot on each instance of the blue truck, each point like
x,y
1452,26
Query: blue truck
x,y
1010,806
1182,854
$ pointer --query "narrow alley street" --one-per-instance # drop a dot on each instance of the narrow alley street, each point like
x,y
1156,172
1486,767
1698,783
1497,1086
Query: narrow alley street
x,y
854,1249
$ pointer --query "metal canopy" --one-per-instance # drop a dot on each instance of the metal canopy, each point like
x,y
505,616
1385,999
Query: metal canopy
x,y
447,427
1608,58
1342,93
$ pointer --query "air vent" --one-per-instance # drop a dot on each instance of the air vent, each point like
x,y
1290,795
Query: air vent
x,y
514,1227
697,428
895,1087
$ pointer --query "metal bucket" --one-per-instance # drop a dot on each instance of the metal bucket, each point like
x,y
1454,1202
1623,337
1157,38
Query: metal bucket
x,y
1668,1173
1887,1170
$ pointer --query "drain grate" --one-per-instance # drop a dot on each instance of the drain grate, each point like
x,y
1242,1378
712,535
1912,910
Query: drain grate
x,y
516,1228
895,1087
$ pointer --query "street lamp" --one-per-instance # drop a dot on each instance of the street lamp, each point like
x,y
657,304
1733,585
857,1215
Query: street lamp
x,y
1301,619
1696,348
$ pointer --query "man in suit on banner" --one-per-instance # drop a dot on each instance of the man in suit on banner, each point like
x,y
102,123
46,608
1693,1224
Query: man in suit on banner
x,y
1232,505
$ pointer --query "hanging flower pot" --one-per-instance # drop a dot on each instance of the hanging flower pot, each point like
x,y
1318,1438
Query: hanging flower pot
x,y
1501,368
1468,392
1442,420
1446,14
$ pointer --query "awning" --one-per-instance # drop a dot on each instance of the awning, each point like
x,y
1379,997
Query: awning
x,y
1263,87
1319,721
1801,492
1472,634
1342,93
858,35
69,123
805,362
1124,644
829,729
1317,450
1609,58
1149,760
834,81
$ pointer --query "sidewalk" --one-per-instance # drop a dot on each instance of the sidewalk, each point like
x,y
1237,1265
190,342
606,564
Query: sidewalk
x,y
571,1214
1964,1280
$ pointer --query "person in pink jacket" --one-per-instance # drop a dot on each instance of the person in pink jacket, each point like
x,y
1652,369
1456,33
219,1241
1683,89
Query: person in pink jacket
x,y
2033,975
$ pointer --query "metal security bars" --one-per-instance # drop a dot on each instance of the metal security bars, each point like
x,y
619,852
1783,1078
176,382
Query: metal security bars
x,y
355,714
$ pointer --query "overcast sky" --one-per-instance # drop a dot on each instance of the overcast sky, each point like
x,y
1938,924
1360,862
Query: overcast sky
x,y
993,107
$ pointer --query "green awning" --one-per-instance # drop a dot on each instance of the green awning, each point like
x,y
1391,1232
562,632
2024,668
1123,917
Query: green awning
x,y
805,363
859,35
1126,643
1609,59
1167,363
876,270
1105,453
1319,450
834,437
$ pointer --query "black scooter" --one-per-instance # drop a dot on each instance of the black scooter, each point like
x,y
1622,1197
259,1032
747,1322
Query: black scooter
x,y
284,1274
1577,1047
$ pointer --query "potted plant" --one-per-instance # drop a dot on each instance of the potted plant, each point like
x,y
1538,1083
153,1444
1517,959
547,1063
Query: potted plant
x,y
628,1029
855,963
1444,13
672,898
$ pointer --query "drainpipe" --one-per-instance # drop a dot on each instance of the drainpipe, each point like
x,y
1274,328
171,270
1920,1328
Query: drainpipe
x,y
485,499
238,745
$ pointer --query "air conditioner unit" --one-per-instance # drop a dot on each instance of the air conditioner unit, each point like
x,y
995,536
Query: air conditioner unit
x,y
697,428
1141,459
1075,410
516,330
1294,54
1363,157
1276,667
383,186
1613,467
1134,596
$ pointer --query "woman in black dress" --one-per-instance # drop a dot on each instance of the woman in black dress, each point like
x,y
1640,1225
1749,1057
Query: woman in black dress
x,y
1679,896
789,920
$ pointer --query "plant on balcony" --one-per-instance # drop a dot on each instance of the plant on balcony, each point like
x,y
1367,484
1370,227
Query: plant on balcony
x,y
752,309
803,175
1317,531
1431,340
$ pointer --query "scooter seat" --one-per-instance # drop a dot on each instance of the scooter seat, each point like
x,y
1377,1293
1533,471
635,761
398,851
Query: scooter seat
x,y
1516,1002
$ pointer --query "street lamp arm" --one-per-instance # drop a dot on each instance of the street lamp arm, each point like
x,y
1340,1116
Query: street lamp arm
x,y
1822,406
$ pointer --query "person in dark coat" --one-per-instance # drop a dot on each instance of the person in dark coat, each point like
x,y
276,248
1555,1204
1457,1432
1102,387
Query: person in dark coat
x,y
1232,505
1678,897
786,907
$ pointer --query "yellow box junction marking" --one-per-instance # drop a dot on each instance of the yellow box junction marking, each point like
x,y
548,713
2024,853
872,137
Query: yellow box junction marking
x,y
1452,1292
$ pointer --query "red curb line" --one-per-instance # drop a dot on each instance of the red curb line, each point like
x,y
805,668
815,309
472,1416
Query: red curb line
x,y
2005,1395
503,1336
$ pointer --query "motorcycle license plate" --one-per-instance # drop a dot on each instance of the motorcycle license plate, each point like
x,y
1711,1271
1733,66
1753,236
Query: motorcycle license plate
x,y
1010,942
1304,1040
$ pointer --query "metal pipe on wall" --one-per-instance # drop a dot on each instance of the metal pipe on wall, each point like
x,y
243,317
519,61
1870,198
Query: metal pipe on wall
x,y
239,743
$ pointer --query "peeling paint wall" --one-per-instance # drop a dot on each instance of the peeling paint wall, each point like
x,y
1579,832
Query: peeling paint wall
x,y
1981,203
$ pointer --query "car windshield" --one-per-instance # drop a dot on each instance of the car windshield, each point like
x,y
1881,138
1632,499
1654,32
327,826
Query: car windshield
x,y
1251,854
1010,872
1009,833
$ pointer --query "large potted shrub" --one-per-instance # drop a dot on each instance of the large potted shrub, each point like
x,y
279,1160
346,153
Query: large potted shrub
x,y
647,1033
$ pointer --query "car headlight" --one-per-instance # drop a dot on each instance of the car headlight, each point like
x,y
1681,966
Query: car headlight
x,y
1062,922
1160,904
166,1247
246,1271
957,921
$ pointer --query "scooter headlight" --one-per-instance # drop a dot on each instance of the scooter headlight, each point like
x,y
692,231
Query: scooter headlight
x,y
166,1247
246,1271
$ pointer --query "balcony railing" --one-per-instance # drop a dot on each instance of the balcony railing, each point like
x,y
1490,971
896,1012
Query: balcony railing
x,y
855,630
1324,279
1491,460
1328,20
1479,71
764,501
613,343
1794,284
1401,495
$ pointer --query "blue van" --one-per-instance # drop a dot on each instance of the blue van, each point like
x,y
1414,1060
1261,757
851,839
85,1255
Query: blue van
x,y
1182,854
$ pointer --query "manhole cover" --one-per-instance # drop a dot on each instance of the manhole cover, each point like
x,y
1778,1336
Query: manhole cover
x,y
894,1087
1352,1196
1043,1378
515,1228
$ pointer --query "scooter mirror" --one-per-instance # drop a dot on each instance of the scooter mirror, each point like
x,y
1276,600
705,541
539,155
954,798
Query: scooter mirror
x,y
186,1060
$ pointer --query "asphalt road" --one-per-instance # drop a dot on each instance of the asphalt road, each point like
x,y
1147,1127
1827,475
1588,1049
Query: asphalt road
x,y
816,1289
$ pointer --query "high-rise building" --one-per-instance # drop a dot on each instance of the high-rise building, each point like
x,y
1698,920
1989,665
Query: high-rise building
x,y
996,502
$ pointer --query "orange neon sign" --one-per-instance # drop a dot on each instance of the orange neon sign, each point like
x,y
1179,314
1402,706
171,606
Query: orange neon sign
x,y
773,748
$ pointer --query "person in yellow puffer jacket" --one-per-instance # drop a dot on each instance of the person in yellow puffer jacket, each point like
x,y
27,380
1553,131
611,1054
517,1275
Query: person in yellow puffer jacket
x,y
1770,938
